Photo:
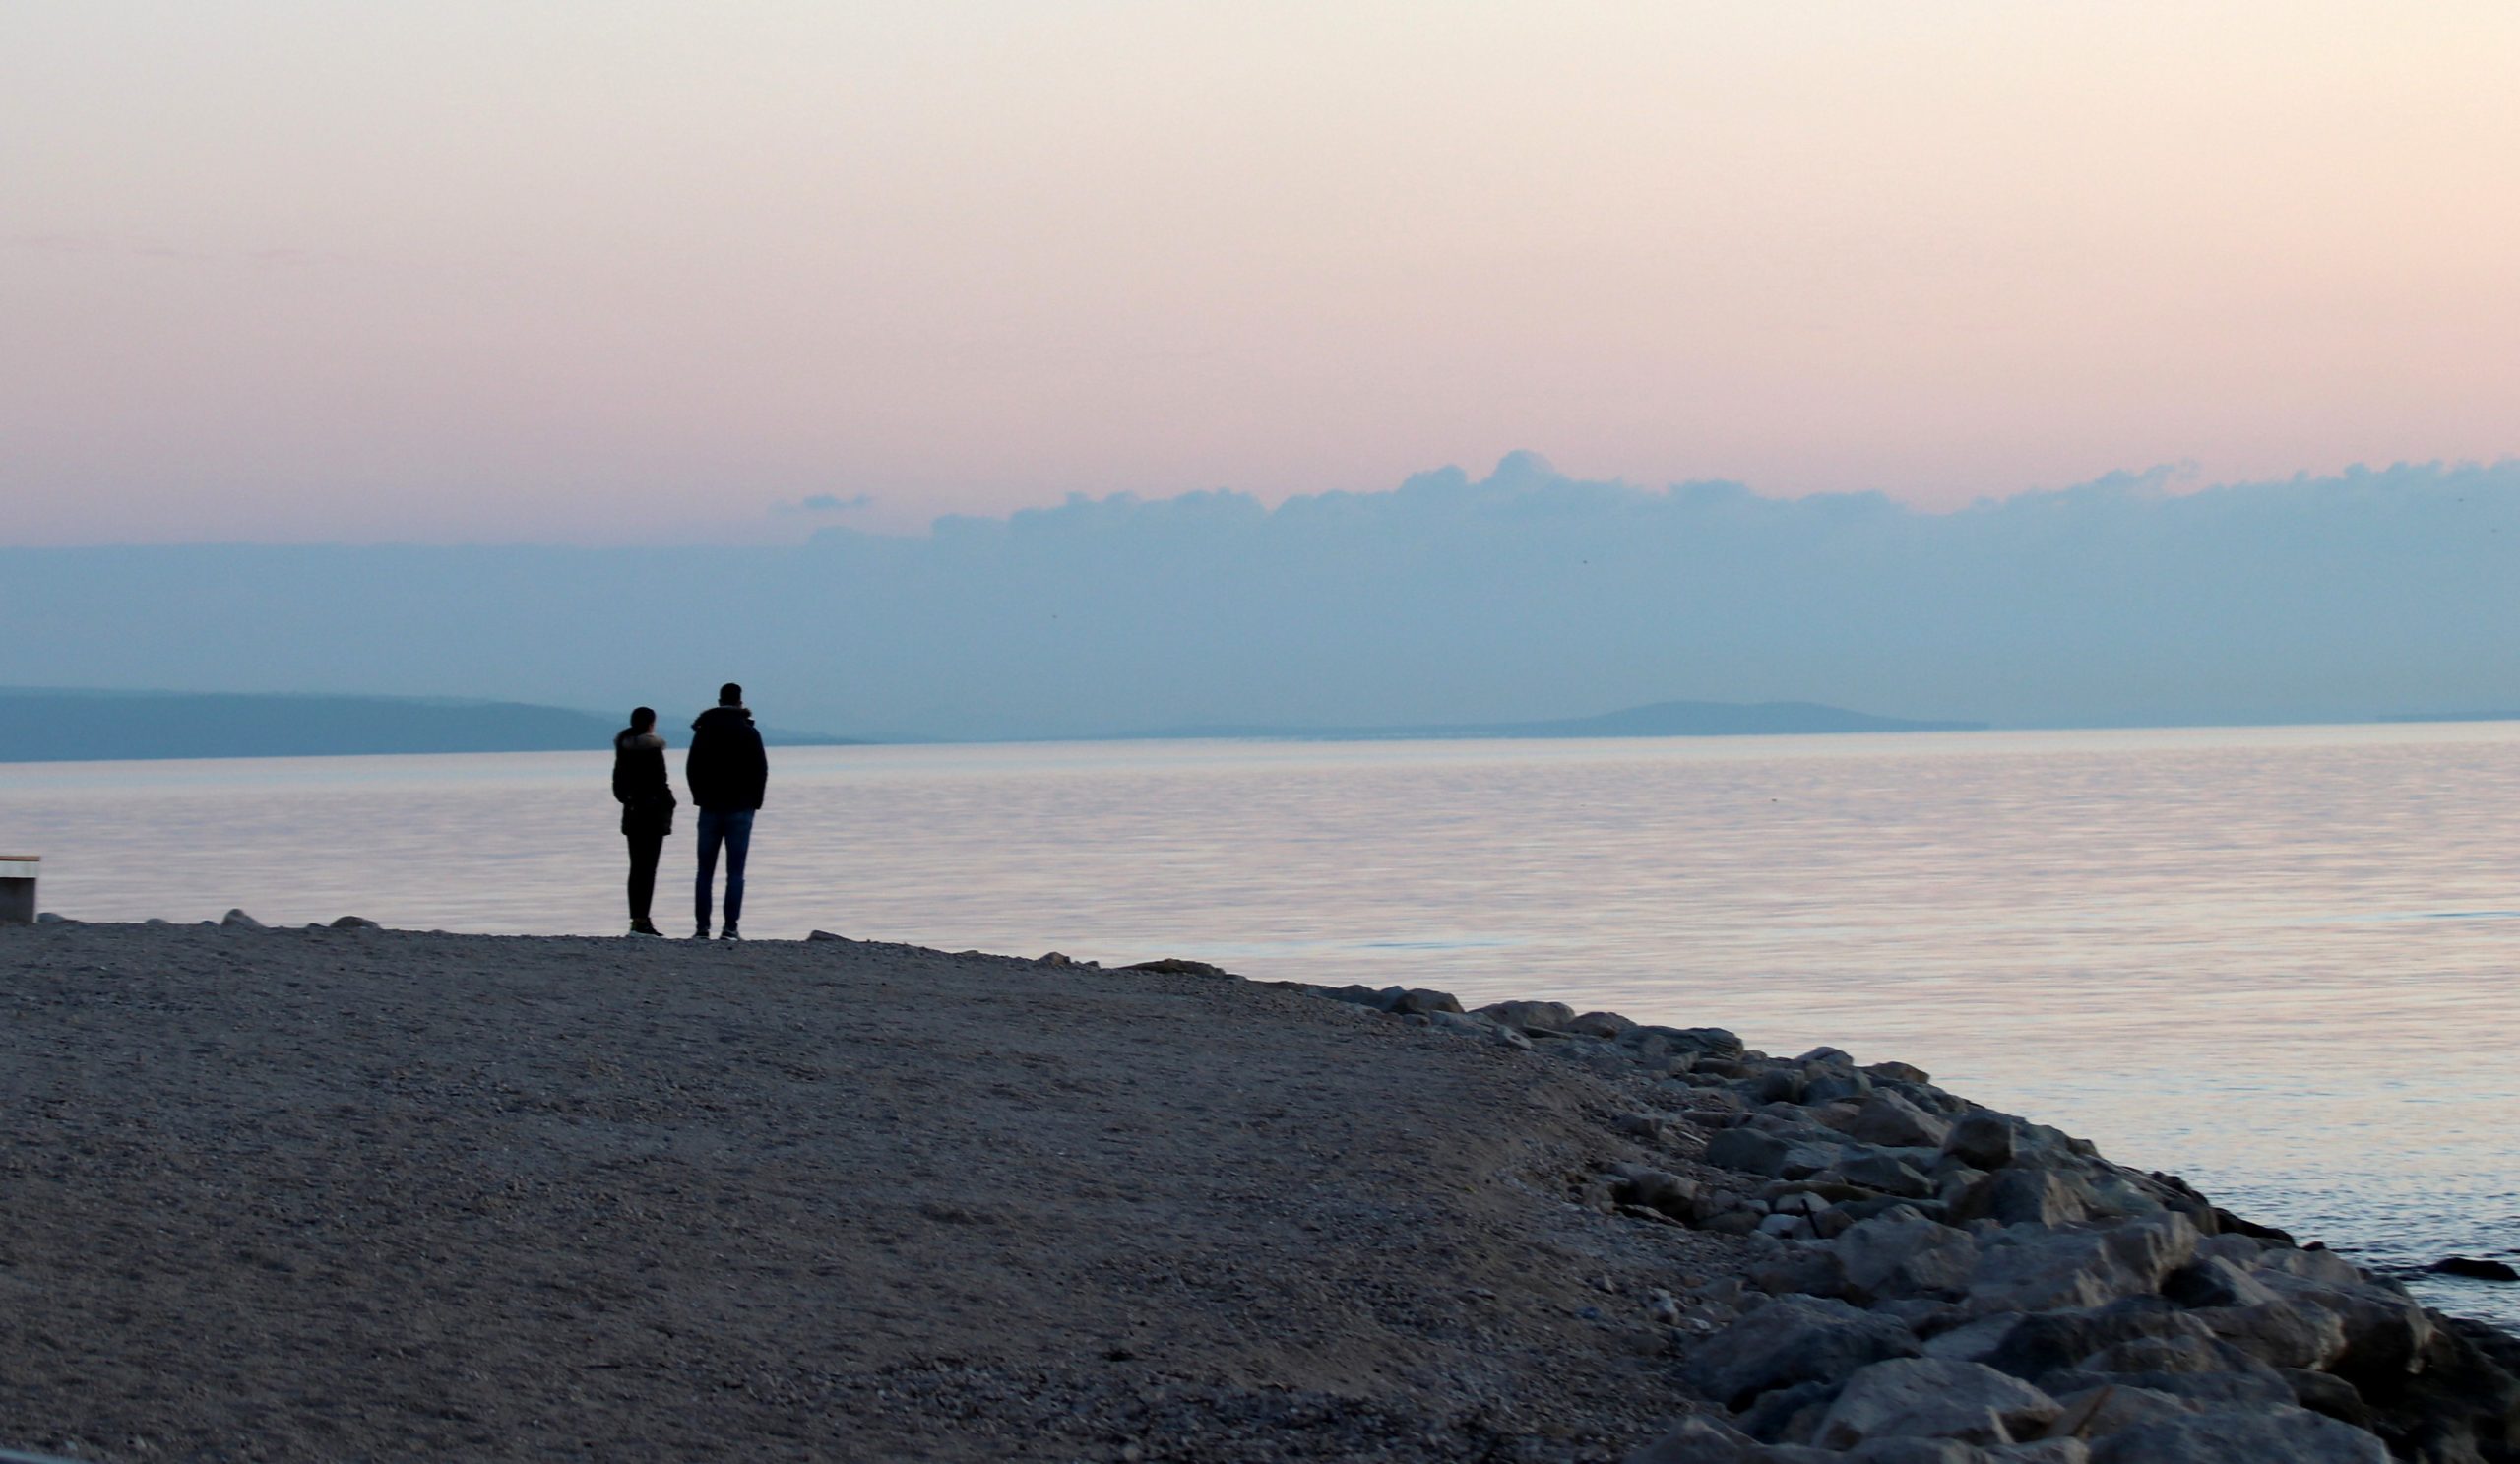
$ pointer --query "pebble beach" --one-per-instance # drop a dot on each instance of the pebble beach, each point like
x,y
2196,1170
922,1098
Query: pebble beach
x,y
343,1192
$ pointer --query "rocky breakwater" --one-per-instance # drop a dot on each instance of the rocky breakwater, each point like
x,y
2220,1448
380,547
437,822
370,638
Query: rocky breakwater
x,y
1925,1280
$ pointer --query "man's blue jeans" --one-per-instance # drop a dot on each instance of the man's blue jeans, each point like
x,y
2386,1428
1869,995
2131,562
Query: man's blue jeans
x,y
731,827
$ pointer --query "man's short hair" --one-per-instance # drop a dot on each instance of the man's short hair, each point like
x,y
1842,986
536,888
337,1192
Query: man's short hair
x,y
730,695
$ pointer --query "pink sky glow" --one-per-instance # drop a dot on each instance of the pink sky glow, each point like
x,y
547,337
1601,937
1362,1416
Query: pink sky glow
x,y
641,272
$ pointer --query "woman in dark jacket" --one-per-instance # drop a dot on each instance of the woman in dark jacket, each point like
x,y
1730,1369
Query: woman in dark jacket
x,y
640,786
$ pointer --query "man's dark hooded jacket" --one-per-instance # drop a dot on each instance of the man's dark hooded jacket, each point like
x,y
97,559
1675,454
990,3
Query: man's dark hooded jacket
x,y
726,766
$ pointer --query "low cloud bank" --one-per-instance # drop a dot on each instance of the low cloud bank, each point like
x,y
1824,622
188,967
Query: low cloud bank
x,y
1522,596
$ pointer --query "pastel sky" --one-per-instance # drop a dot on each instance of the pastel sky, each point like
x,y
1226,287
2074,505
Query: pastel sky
x,y
610,272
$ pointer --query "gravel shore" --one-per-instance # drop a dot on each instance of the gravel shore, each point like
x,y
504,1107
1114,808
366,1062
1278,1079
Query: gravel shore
x,y
360,1194
344,1193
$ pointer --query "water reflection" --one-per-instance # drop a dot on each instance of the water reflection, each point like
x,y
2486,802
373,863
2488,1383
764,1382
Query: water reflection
x,y
2278,961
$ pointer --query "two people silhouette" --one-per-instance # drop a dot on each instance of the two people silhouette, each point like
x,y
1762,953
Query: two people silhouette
x,y
726,771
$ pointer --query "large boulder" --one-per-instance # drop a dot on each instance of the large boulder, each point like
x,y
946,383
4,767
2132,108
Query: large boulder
x,y
2108,1408
2201,1390
2385,1332
2327,1393
1682,1041
2174,1355
2110,1193
1830,1086
1790,1416
1404,1001
2463,1401
2279,1333
2025,1268
1478,1027
2213,1280
1658,1189
1894,1122
1794,1339
2033,1347
1934,1398
1549,1017
1606,1025
1977,1340
1400,1001
1604,1059
2241,1435
1981,1140
1751,1151
2025,1196
1879,1169
1905,1255
2325,1267
1804,1270
1775,1083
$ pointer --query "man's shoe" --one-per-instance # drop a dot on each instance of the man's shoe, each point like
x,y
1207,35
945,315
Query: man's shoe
x,y
700,935
642,927
729,934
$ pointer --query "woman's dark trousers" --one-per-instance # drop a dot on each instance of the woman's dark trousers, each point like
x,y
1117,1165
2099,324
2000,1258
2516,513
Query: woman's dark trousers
x,y
644,849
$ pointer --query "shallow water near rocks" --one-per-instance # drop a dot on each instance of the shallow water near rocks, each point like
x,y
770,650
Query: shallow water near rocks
x,y
2283,962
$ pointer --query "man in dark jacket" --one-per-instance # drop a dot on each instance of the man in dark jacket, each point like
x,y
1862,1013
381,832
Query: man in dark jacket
x,y
726,770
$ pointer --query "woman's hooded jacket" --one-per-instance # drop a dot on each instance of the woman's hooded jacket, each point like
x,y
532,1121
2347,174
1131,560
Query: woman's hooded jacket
x,y
640,784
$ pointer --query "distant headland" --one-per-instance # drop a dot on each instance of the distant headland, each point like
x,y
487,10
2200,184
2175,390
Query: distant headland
x,y
54,724
69,724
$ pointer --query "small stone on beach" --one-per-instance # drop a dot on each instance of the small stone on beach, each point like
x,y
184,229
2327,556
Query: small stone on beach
x,y
1177,966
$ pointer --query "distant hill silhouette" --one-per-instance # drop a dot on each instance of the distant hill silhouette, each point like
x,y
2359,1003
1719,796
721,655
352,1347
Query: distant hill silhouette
x,y
1658,720
71,725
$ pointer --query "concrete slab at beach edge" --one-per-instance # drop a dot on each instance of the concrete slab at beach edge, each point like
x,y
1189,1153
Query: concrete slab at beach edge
x,y
19,873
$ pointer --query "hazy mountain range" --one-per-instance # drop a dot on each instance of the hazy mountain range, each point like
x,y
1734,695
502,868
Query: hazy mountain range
x,y
1449,600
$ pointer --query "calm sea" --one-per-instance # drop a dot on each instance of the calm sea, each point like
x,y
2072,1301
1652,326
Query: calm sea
x,y
2282,962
